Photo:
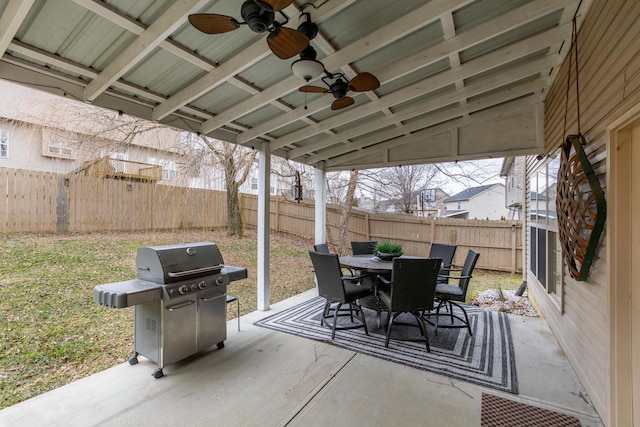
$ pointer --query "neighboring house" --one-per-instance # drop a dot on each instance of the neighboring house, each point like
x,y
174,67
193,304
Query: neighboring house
x,y
430,202
426,202
513,173
43,132
483,202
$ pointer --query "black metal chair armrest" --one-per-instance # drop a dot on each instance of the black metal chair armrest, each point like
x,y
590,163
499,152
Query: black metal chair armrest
x,y
383,283
440,276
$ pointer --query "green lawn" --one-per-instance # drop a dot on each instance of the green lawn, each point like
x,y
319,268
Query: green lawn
x,y
51,331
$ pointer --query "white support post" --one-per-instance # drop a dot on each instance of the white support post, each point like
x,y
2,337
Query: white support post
x,y
264,212
321,206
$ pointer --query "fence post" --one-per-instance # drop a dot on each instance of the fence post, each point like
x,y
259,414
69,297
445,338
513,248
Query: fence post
x,y
514,254
433,229
62,204
277,214
366,226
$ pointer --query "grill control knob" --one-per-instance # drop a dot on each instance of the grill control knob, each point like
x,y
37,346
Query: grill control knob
x,y
183,289
220,281
194,287
202,284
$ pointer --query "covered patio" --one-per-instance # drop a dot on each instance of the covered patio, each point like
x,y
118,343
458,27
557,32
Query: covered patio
x,y
464,79
268,378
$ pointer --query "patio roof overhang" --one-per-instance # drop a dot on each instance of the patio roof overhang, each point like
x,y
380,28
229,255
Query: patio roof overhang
x,y
460,79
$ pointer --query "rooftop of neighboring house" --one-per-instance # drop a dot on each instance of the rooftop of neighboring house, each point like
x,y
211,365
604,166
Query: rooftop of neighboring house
x,y
470,193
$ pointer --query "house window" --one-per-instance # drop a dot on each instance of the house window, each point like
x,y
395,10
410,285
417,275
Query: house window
x,y
169,175
4,144
545,256
57,149
254,183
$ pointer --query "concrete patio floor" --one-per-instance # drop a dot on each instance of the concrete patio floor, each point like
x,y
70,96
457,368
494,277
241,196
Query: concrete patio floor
x,y
268,378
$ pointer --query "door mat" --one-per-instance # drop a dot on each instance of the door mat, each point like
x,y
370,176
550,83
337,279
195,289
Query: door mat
x,y
500,412
486,358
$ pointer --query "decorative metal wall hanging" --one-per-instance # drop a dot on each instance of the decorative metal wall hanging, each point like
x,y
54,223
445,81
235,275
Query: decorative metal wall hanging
x,y
581,207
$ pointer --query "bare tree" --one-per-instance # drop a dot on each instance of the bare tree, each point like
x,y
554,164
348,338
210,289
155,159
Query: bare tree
x,y
470,173
337,187
343,234
236,162
400,184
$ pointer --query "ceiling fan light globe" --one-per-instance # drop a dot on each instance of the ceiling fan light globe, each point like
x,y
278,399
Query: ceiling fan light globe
x,y
307,69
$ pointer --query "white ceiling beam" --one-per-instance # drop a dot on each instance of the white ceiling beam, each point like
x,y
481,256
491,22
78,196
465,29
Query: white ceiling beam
x,y
107,12
452,126
56,82
113,15
155,34
453,114
378,39
479,65
486,31
416,111
256,52
10,21
89,73
236,64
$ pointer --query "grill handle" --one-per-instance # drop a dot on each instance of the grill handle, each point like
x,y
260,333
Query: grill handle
x,y
195,271
178,306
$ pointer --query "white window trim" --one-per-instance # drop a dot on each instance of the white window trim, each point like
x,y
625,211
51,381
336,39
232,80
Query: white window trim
x,y
556,298
6,144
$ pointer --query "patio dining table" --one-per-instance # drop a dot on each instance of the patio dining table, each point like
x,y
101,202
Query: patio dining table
x,y
367,264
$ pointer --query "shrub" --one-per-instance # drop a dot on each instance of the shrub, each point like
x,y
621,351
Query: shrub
x,y
388,248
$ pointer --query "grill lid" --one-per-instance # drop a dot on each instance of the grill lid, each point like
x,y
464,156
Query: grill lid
x,y
171,263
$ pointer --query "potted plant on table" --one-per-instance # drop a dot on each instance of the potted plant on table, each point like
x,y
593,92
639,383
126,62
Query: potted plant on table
x,y
387,251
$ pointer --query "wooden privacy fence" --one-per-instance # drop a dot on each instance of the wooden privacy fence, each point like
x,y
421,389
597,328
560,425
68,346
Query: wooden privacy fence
x,y
28,200
96,204
47,202
499,242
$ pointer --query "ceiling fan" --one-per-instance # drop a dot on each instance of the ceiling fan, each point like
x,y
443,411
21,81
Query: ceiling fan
x,y
259,15
340,87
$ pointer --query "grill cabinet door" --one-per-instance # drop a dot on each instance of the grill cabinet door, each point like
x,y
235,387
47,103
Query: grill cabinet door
x,y
212,306
179,335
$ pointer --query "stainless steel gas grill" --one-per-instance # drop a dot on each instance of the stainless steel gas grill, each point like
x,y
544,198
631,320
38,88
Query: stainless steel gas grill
x,y
179,298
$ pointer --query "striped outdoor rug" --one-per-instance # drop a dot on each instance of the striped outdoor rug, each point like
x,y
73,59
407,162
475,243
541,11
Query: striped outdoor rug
x,y
486,358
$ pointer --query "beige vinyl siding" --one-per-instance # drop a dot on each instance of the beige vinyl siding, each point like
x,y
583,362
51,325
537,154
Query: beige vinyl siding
x,y
609,78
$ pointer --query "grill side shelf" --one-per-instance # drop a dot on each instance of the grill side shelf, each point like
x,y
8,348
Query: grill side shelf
x,y
234,273
127,293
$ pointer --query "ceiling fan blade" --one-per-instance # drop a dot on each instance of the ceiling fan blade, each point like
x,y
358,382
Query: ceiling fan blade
x,y
211,23
364,82
313,89
342,103
275,5
286,43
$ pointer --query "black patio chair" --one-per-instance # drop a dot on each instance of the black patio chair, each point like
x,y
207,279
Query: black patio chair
x,y
411,290
323,248
445,253
363,248
448,295
338,290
